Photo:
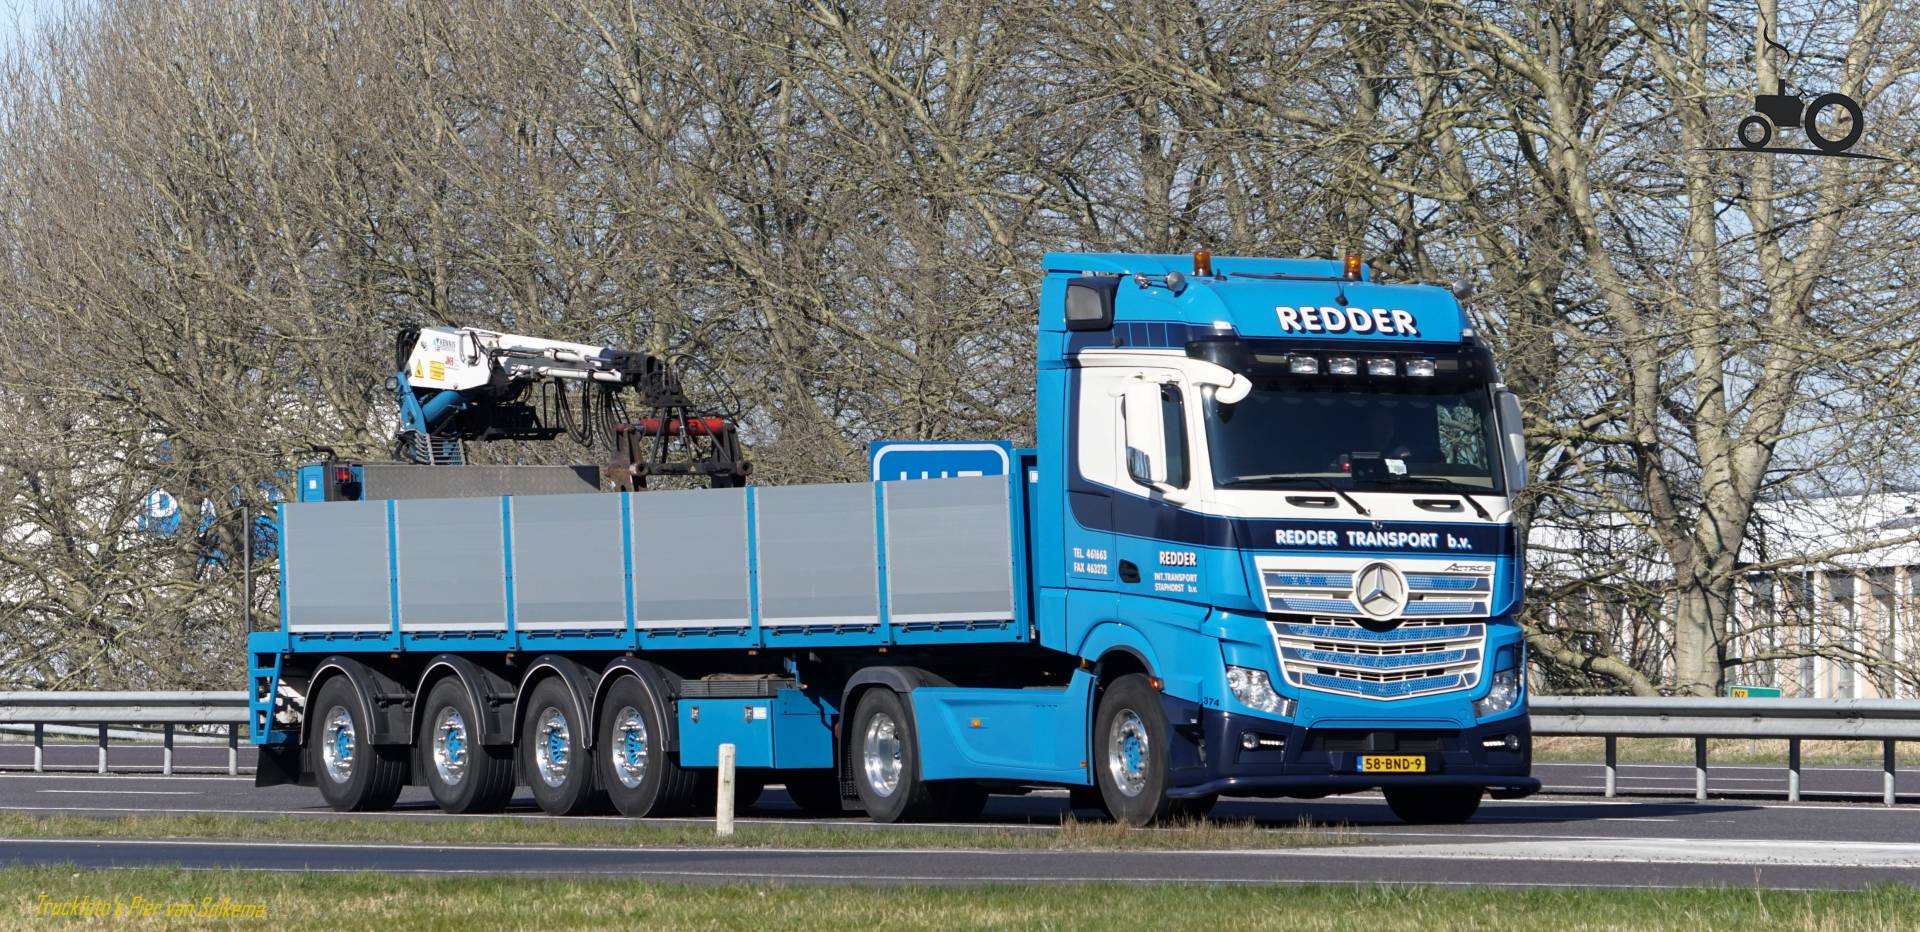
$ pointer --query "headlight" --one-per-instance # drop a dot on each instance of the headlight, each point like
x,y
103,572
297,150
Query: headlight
x,y
1501,697
1255,691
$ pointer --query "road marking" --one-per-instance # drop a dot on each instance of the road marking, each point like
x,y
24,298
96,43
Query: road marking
x,y
126,792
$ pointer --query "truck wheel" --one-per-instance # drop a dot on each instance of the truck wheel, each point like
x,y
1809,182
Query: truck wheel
x,y
641,777
747,787
559,768
886,760
354,775
1130,751
1087,801
463,774
1433,805
816,792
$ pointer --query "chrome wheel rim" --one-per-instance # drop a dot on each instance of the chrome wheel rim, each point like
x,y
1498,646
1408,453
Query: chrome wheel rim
x,y
336,744
880,754
630,747
450,746
552,747
1128,753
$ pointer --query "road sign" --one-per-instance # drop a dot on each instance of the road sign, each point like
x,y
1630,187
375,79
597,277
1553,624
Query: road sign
x,y
1753,692
934,460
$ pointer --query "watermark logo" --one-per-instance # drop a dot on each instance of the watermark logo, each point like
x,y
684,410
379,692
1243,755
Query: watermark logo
x,y
1832,122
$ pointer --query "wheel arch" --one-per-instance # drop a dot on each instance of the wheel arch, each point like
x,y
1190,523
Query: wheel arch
x,y
661,684
384,704
488,693
579,683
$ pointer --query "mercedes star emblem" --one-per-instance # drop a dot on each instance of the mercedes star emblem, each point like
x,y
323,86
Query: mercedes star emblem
x,y
1380,590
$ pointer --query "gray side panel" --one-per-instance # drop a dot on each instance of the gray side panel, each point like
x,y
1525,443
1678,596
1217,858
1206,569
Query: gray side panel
x,y
568,569
401,480
817,556
336,567
690,559
452,564
949,550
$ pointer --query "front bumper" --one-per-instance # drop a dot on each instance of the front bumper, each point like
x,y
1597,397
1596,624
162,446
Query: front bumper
x,y
1207,756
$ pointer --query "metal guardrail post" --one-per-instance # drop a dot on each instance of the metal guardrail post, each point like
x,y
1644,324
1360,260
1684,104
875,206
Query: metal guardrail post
x,y
1699,768
1613,765
1793,770
166,750
103,749
39,748
1891,764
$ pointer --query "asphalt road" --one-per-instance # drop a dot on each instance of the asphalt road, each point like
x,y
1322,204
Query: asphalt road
x,y
1557,840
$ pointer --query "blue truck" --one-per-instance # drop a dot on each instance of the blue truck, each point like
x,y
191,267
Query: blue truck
x,y
1264,547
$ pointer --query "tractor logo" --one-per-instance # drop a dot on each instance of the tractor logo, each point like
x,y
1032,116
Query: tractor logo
x,y
1832,121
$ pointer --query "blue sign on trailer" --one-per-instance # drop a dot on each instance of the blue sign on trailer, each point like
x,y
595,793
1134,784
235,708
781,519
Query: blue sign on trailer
x,y
1264,546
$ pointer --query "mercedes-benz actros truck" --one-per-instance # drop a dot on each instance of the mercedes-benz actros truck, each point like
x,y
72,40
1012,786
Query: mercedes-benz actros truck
x,y
1263,547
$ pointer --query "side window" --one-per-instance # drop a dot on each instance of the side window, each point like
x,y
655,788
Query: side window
x,y
1173,417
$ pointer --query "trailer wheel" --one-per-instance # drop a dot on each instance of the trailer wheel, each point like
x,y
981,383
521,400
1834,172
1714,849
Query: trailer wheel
x,y
640,774
1433,805
463,774
886,760
1130,751
559,768
816,792
354,775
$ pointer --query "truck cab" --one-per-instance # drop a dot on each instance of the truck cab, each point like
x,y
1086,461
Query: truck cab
x,y
1285,489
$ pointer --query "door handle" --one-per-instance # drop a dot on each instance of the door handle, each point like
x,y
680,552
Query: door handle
x,y
1128,572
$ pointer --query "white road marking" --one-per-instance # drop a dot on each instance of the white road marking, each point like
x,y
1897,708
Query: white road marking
x,y
126,792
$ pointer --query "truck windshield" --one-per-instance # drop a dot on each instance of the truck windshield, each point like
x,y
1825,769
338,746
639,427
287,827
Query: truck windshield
x,y
1292,436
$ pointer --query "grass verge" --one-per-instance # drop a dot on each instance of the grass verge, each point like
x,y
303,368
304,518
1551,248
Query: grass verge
x,y
360,901
1070,835
1722,751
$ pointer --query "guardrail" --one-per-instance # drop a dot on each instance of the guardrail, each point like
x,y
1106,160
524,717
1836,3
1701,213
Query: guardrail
x,y
1794,720
168,710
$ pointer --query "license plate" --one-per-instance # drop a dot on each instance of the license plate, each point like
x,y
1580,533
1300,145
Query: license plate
x,y
1393,763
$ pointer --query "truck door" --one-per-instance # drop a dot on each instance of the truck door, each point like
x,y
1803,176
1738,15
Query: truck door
x,y
1151,555
1091,446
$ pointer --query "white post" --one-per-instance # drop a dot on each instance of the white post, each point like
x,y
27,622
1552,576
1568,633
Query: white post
x,y
1699,768
39,748
723,806
1613,765
103,749
166,749
233,750
1793,770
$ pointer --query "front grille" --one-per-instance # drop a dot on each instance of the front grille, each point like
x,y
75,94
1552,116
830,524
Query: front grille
x,y
1416,658
1330,591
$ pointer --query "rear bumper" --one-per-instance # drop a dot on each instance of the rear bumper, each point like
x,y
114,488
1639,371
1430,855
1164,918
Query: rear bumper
x,y
1315,762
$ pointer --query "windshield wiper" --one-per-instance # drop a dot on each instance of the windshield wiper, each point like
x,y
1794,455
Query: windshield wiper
x,y
1302,477
1447,484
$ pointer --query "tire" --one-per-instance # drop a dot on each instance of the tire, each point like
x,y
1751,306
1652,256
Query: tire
x,y
747,787
353,774
642,778
885,758
1811,122
1433,805
462,774
816,792
1087,799
556,764
1192,808
1130,752
1755,132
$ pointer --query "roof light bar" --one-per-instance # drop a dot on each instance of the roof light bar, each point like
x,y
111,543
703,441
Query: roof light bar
x,y
1420,368
1381,367
1303,365
1342,365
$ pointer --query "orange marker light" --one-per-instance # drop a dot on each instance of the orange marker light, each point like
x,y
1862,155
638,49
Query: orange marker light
x,y
1202,262
1352,268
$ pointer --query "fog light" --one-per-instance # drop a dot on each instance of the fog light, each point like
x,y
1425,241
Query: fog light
x,y
1502,743
1249,740
1381,367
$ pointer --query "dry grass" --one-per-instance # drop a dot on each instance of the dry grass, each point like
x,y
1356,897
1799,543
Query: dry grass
x,y
362,901
619,833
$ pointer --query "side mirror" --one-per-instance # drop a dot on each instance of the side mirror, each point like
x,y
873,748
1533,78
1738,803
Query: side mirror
x,y
1513,437
1090,302
1146,436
